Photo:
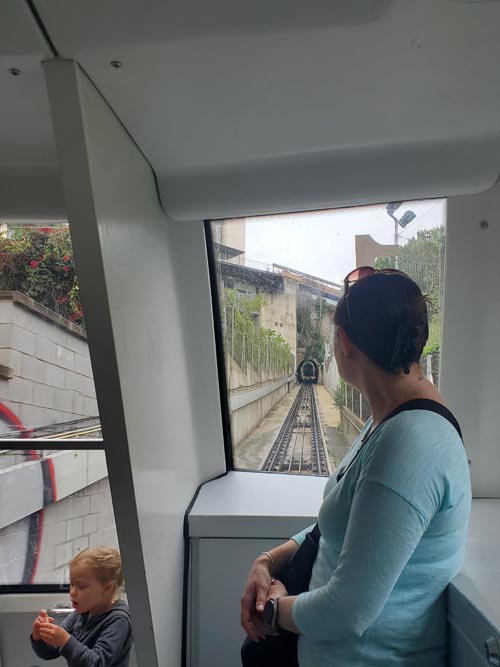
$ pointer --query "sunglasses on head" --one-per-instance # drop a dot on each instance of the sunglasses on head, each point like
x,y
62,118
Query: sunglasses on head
x,y
358,274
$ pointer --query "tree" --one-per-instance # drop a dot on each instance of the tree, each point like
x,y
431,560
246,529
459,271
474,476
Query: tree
x,y
38,262
422,258
309,319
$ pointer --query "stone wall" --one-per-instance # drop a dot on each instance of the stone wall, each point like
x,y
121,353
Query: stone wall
x,y
46,373
83,519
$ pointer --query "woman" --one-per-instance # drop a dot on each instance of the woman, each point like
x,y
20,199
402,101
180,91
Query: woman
x,y
394,515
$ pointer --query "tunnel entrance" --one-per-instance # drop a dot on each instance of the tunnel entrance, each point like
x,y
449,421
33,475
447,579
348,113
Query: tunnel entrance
x,y
308,371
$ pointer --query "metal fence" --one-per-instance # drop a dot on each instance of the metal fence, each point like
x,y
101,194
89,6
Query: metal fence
x,y
356,403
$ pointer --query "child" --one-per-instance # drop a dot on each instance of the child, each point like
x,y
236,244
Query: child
x,y
98,633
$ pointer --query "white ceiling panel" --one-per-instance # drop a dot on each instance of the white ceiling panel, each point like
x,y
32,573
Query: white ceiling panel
x,y
29,180
245,108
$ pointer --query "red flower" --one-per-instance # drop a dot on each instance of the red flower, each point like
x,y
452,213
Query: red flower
x,y
34,263
66,258
66,268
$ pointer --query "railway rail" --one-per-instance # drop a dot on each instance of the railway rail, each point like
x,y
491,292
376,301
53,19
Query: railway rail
x,y
300,446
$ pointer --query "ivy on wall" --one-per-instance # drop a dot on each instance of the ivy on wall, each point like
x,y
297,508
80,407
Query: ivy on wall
x,y
247,342
38,262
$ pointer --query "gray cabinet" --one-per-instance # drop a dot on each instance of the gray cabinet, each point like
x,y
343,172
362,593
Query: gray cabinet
x,y
473,641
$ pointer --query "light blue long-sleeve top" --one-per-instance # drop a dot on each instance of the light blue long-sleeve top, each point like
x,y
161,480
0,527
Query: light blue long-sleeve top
x,y
393,533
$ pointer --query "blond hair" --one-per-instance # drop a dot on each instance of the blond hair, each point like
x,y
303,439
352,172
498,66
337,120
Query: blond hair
x,y
106,564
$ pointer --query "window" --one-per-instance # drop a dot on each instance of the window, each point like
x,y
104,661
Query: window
x,y
46,381
290,411
54,502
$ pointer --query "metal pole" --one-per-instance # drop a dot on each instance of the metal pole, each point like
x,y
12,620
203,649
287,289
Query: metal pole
x,y
396,259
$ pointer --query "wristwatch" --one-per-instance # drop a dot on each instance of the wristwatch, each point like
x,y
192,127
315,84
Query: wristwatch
x,y
270,613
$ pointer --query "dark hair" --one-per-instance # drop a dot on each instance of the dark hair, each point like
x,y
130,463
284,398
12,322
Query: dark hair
x,y
388,319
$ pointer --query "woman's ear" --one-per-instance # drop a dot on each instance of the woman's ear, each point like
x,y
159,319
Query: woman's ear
x,y
345,342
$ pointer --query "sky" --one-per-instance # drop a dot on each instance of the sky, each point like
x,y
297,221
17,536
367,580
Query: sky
x,y
321,243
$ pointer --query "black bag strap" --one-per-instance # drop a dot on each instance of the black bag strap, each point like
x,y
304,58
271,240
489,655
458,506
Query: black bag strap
x,y
414,404
431,406
315,534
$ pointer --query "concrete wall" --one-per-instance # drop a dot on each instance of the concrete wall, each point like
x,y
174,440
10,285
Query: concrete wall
x,y
246,418
251,396
83,519
280,313
330,373
52,504
232,234
49,361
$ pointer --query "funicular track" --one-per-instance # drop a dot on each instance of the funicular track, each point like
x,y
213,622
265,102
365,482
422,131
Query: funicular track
x,y
299,446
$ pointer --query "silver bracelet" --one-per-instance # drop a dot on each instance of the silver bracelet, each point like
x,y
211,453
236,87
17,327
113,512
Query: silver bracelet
x,y
266,553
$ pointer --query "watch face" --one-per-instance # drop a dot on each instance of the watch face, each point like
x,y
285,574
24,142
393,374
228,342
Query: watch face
x,y
268,613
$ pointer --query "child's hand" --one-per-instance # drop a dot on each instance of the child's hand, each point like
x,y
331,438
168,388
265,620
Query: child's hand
x,y
53,634
41,618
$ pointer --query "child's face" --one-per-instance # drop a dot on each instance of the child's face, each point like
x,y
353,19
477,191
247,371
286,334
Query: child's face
x,y
87,593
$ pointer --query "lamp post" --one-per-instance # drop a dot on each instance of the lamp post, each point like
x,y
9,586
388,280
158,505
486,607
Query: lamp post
x,y
408,217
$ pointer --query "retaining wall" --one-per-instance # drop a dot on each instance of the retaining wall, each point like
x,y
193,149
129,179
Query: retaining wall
x,y
83,519
258,403
45,371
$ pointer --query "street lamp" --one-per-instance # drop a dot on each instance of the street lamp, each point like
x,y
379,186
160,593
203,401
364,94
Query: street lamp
x,y
408,217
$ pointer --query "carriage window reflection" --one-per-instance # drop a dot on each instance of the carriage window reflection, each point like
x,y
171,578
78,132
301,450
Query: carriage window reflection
x,y
279,279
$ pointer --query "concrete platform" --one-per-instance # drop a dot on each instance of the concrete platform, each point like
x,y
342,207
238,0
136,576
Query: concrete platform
x,y
251,453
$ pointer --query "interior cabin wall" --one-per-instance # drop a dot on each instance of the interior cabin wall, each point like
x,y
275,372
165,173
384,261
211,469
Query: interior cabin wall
x,y
145,292
470,359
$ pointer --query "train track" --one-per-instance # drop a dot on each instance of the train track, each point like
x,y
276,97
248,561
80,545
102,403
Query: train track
x,y
299,446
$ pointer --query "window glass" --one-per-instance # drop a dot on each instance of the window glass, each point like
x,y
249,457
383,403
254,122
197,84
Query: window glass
x,y
279,280
46,381
53,504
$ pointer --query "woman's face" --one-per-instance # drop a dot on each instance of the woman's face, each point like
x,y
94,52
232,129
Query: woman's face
x,y
339,353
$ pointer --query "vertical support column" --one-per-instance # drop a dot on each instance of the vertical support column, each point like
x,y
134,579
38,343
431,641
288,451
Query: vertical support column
x,y
77,110
146,297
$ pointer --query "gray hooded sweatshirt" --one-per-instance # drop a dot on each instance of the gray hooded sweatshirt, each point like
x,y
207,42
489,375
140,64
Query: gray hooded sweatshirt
x,y
103,640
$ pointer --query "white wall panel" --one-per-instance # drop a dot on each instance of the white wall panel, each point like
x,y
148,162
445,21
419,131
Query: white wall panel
x,y
470,361
145,292
220,570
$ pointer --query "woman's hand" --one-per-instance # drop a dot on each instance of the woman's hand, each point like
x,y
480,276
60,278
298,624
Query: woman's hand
x,y
277,589
253,600
41,618
53,634
259,589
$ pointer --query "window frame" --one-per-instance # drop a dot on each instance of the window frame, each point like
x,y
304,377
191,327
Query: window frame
x,y
219,345
219,340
